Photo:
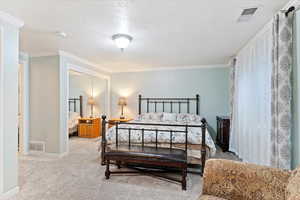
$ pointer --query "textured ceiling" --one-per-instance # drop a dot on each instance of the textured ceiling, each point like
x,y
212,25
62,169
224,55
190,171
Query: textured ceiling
x,y
166,33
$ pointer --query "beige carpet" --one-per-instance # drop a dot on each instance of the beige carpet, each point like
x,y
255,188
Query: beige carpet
x,y
79,176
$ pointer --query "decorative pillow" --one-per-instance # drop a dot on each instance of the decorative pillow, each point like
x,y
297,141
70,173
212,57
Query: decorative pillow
x,y
150,116
185,117
156,116
169,117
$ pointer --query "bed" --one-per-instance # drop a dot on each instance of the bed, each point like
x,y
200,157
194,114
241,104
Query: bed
x,y
165,119
74,115
178,139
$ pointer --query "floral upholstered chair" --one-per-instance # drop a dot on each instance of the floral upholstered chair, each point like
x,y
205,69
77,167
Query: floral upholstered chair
x,y
224,179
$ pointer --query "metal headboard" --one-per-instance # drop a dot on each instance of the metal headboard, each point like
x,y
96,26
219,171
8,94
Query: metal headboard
x,y
169,101
73,101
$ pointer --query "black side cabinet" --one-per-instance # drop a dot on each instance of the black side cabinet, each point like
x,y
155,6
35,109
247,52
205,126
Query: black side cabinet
x,y
223,132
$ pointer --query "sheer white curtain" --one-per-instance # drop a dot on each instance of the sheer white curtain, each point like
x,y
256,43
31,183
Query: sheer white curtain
x,y
251,122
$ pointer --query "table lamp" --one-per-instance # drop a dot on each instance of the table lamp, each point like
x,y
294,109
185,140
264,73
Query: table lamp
x,y
91,102
122,102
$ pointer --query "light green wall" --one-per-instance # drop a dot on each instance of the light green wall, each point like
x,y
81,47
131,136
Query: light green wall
x,y
212,84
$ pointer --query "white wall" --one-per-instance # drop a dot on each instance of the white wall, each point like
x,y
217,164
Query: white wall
x,y
9,62
212,84
44,102
101,92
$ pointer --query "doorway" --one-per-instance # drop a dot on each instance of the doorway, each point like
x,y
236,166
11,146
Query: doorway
x,y
87,97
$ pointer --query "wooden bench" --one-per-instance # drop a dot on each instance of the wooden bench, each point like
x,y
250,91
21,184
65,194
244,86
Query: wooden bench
x,y
149,159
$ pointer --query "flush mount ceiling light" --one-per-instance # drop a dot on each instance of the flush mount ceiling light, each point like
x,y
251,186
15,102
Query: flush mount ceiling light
x,y
122,40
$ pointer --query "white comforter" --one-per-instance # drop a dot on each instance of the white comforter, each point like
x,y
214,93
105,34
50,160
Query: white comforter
x,y
194,134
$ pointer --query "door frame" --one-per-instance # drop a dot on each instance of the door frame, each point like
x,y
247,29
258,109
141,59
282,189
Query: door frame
x,y
70,62
24,61
92,73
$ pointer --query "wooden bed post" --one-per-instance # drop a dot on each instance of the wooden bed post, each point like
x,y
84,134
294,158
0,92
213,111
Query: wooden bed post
x,y
140,104
80,107
197,104
203,145
103,141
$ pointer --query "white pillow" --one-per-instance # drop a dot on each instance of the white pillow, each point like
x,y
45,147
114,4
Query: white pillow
x,y
169,117
144,116
74,115
151,116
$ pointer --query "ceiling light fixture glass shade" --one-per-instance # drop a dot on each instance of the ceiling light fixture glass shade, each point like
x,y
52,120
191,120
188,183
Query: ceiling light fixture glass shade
x,y
122,40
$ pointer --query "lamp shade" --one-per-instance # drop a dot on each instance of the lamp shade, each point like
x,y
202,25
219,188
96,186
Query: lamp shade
x,y
122,101
91,101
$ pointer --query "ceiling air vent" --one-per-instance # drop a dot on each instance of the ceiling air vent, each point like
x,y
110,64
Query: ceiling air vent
x,y
247,14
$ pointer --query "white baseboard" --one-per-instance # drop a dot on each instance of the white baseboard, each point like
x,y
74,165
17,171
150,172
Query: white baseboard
x,y
10,193
58,155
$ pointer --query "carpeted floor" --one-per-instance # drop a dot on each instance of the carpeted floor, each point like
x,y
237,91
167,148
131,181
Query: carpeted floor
x,y
79,176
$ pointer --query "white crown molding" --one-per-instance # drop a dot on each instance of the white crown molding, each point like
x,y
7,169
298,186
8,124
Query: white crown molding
x,y
73,57
7,18
97,67
84,61
84,70
10,193
174,68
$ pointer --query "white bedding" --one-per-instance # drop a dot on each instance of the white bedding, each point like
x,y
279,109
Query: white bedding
x,y
73,121
194,134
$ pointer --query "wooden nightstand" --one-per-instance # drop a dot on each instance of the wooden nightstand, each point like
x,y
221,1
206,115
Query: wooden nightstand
x,y
89,127
112,122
